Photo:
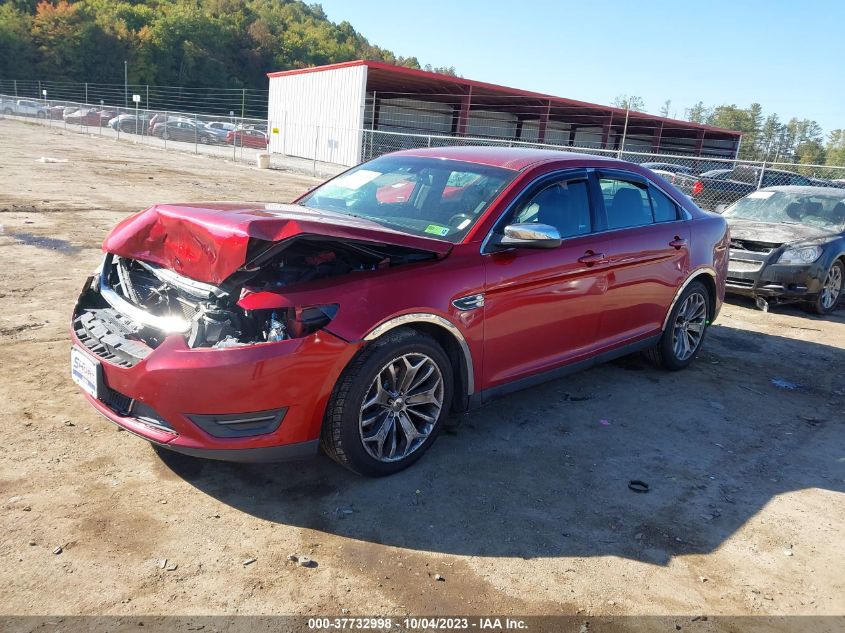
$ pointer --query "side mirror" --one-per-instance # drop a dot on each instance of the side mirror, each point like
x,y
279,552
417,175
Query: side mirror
x,y
530,235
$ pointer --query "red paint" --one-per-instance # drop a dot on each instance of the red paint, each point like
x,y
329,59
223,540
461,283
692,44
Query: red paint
x,y
543,308
257,140
209,242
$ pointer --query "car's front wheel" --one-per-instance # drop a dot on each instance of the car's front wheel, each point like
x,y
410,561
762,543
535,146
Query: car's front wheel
x,y
831,290
685,329
389,404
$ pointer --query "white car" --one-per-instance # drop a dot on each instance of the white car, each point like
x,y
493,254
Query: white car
x,y
25,107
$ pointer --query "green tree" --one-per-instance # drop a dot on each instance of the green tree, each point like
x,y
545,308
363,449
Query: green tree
x,y
629,102
17,51
835,148
698,113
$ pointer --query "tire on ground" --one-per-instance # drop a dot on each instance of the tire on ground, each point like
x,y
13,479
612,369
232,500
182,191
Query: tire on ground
x,y
340,438
663,354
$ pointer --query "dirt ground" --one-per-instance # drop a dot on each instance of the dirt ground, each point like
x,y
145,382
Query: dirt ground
x,y
524,509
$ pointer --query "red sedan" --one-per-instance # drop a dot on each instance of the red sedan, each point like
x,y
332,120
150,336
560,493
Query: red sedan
x,y
255,139
359,320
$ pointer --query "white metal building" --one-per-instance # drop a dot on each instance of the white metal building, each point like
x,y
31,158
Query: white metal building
x,y
344,113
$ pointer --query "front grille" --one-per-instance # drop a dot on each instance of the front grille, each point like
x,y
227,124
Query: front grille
x,y
739,281
125,407
116,401
742,266
753,246
106,333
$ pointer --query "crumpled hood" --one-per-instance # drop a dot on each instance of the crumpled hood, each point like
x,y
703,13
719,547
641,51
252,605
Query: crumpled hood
x,y
209,242
774,233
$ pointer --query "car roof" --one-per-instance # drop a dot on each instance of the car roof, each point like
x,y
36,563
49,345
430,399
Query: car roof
x,y
515,158
809,190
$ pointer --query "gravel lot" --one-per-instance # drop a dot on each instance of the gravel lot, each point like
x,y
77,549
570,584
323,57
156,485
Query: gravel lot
x,y
524,509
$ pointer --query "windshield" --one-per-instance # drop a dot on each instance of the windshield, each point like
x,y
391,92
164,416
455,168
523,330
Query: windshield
x,y
430,197
824,211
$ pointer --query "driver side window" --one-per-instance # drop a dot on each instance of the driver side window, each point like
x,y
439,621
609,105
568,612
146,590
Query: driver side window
x,y
564,204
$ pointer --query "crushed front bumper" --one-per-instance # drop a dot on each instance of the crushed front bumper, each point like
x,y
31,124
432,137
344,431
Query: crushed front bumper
x,y
756,274
253,403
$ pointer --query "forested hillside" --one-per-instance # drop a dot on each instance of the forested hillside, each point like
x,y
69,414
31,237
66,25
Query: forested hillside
x,y
195,43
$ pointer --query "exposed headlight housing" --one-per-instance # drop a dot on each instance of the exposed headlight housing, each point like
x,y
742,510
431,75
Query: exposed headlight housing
x,y
800,255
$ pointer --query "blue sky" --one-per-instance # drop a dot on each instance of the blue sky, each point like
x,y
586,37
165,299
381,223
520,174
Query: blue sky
x,y
787,55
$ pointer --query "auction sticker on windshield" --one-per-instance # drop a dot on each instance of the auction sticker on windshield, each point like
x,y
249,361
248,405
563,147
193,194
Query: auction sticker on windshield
x,y
84,370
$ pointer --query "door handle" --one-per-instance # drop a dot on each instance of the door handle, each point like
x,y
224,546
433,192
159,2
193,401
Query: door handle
x,y
591,258
678,243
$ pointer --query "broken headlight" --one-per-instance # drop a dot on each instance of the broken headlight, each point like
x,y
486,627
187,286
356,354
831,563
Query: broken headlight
x,y
799,255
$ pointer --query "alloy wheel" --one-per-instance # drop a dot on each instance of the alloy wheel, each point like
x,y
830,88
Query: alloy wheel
x,y
832,287
401,407
689,326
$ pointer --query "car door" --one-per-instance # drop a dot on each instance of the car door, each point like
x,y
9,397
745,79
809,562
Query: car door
x,y
542,306
648,255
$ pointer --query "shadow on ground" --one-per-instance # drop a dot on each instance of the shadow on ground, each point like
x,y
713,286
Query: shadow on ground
x,y
545,472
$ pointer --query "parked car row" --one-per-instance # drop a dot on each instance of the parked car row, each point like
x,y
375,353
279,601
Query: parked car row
x,y
164,126
717,188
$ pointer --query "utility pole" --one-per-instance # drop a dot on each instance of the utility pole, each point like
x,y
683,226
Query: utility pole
x,y
125,84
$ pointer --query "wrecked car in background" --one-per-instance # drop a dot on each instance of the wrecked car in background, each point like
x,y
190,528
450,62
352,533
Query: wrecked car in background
x,y
788,245
418,284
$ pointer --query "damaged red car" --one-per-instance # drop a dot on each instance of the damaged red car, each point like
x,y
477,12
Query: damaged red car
x,y
410,288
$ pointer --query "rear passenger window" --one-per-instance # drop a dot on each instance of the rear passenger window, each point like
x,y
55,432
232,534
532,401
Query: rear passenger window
x,y
664,209
564,205
627,203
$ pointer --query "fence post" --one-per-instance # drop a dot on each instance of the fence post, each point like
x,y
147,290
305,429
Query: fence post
x,y
235,144
316,145
16,87
86,92
196,135
624,134
762,173
429,141
285,133
148,97
164,134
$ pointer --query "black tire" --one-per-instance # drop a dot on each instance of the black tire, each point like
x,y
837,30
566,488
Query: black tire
x,y
41,114
817,306
8,111
664,354
341,437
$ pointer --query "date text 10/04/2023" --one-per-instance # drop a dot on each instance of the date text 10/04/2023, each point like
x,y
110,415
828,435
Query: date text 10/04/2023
x,y
417,623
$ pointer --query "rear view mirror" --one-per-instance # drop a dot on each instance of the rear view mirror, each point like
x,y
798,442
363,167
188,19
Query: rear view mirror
x,y
530,235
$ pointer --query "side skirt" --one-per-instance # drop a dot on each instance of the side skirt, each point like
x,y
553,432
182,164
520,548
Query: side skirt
x,y
482,397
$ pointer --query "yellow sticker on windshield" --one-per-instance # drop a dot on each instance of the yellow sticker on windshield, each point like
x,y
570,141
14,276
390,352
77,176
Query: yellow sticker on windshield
x,y
436,229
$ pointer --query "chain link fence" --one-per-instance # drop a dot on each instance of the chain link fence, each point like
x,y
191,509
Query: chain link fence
x,y
712,182
235,138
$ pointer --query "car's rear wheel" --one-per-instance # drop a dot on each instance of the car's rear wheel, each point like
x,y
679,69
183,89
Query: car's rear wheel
x,y
389,404
685,329
831,290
